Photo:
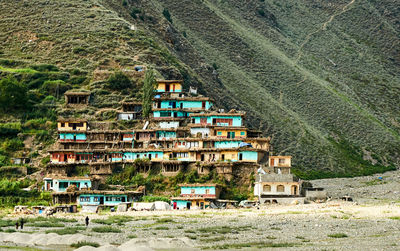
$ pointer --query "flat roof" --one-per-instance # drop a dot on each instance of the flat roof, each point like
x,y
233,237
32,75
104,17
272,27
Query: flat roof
x,y
199,185
66,178
103,192
241,114
169,81
71,120
77,93
182,99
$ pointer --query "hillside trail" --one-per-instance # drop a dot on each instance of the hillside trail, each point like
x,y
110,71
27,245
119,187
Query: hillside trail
x,y
323,27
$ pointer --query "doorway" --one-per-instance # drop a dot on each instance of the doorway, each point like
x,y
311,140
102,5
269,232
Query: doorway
x,y
294,190
240,156
167,87
188,204
101,200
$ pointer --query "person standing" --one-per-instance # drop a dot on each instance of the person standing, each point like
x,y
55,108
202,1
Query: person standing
x,y
87,221
22,223
16,225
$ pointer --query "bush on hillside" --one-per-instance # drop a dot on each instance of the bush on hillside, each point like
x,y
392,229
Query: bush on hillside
x,y
167,15
12,94
119,81
45,67
55,87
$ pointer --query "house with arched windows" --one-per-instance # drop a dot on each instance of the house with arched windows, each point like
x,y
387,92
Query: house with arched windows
x,y
277,184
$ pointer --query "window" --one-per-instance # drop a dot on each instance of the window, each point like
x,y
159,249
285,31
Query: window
x,y
219,133
242,133
96,199
207,191
62,124
267,188
192,191
280,188
108,198
281,161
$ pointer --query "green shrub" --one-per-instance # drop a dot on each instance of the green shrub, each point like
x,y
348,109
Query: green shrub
x,y
10,129
85,243
46,224
338,235
67,230
106,229
12,145
55,87
13,94
149,198
116,219
118,81
167,15
45,67
135,12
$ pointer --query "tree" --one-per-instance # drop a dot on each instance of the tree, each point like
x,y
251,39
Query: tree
x,y
119,81
12,94
167,15
148,92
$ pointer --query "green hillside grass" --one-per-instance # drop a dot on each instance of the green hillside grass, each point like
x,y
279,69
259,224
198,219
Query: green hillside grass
x,y
321,78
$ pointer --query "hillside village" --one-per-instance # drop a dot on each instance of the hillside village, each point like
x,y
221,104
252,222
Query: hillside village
x,y
185,132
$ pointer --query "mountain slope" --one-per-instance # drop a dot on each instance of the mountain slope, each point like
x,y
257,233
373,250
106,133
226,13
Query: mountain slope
x,y
321,77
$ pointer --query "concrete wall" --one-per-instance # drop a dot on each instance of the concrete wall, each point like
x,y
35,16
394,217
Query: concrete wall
x,y
126,116
169,124
165,135
204,131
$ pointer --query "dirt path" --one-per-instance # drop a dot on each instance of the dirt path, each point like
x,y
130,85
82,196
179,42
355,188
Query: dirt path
x,y
323,27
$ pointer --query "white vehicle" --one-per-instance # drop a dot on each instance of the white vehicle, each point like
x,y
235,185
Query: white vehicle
x,y
247,203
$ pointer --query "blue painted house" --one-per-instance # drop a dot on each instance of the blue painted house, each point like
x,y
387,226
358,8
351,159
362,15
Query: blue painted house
x,y
181,103
107,198
170,114
249,156
61,184
197,196
218,119
151,155
72,137
227,144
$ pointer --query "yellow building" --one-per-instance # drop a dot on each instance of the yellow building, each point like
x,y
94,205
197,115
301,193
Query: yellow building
x,y
72,125
169,85
229,155
230,133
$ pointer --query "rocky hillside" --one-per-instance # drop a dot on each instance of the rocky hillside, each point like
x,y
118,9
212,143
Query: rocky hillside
x,y
320,77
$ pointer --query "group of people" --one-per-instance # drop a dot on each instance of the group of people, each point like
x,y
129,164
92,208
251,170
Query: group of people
x,y
20,222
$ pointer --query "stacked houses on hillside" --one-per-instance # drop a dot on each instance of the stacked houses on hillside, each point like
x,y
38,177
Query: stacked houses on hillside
x,y
184,132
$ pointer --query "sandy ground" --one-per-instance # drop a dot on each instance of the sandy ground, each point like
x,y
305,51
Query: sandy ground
x,y
371,222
